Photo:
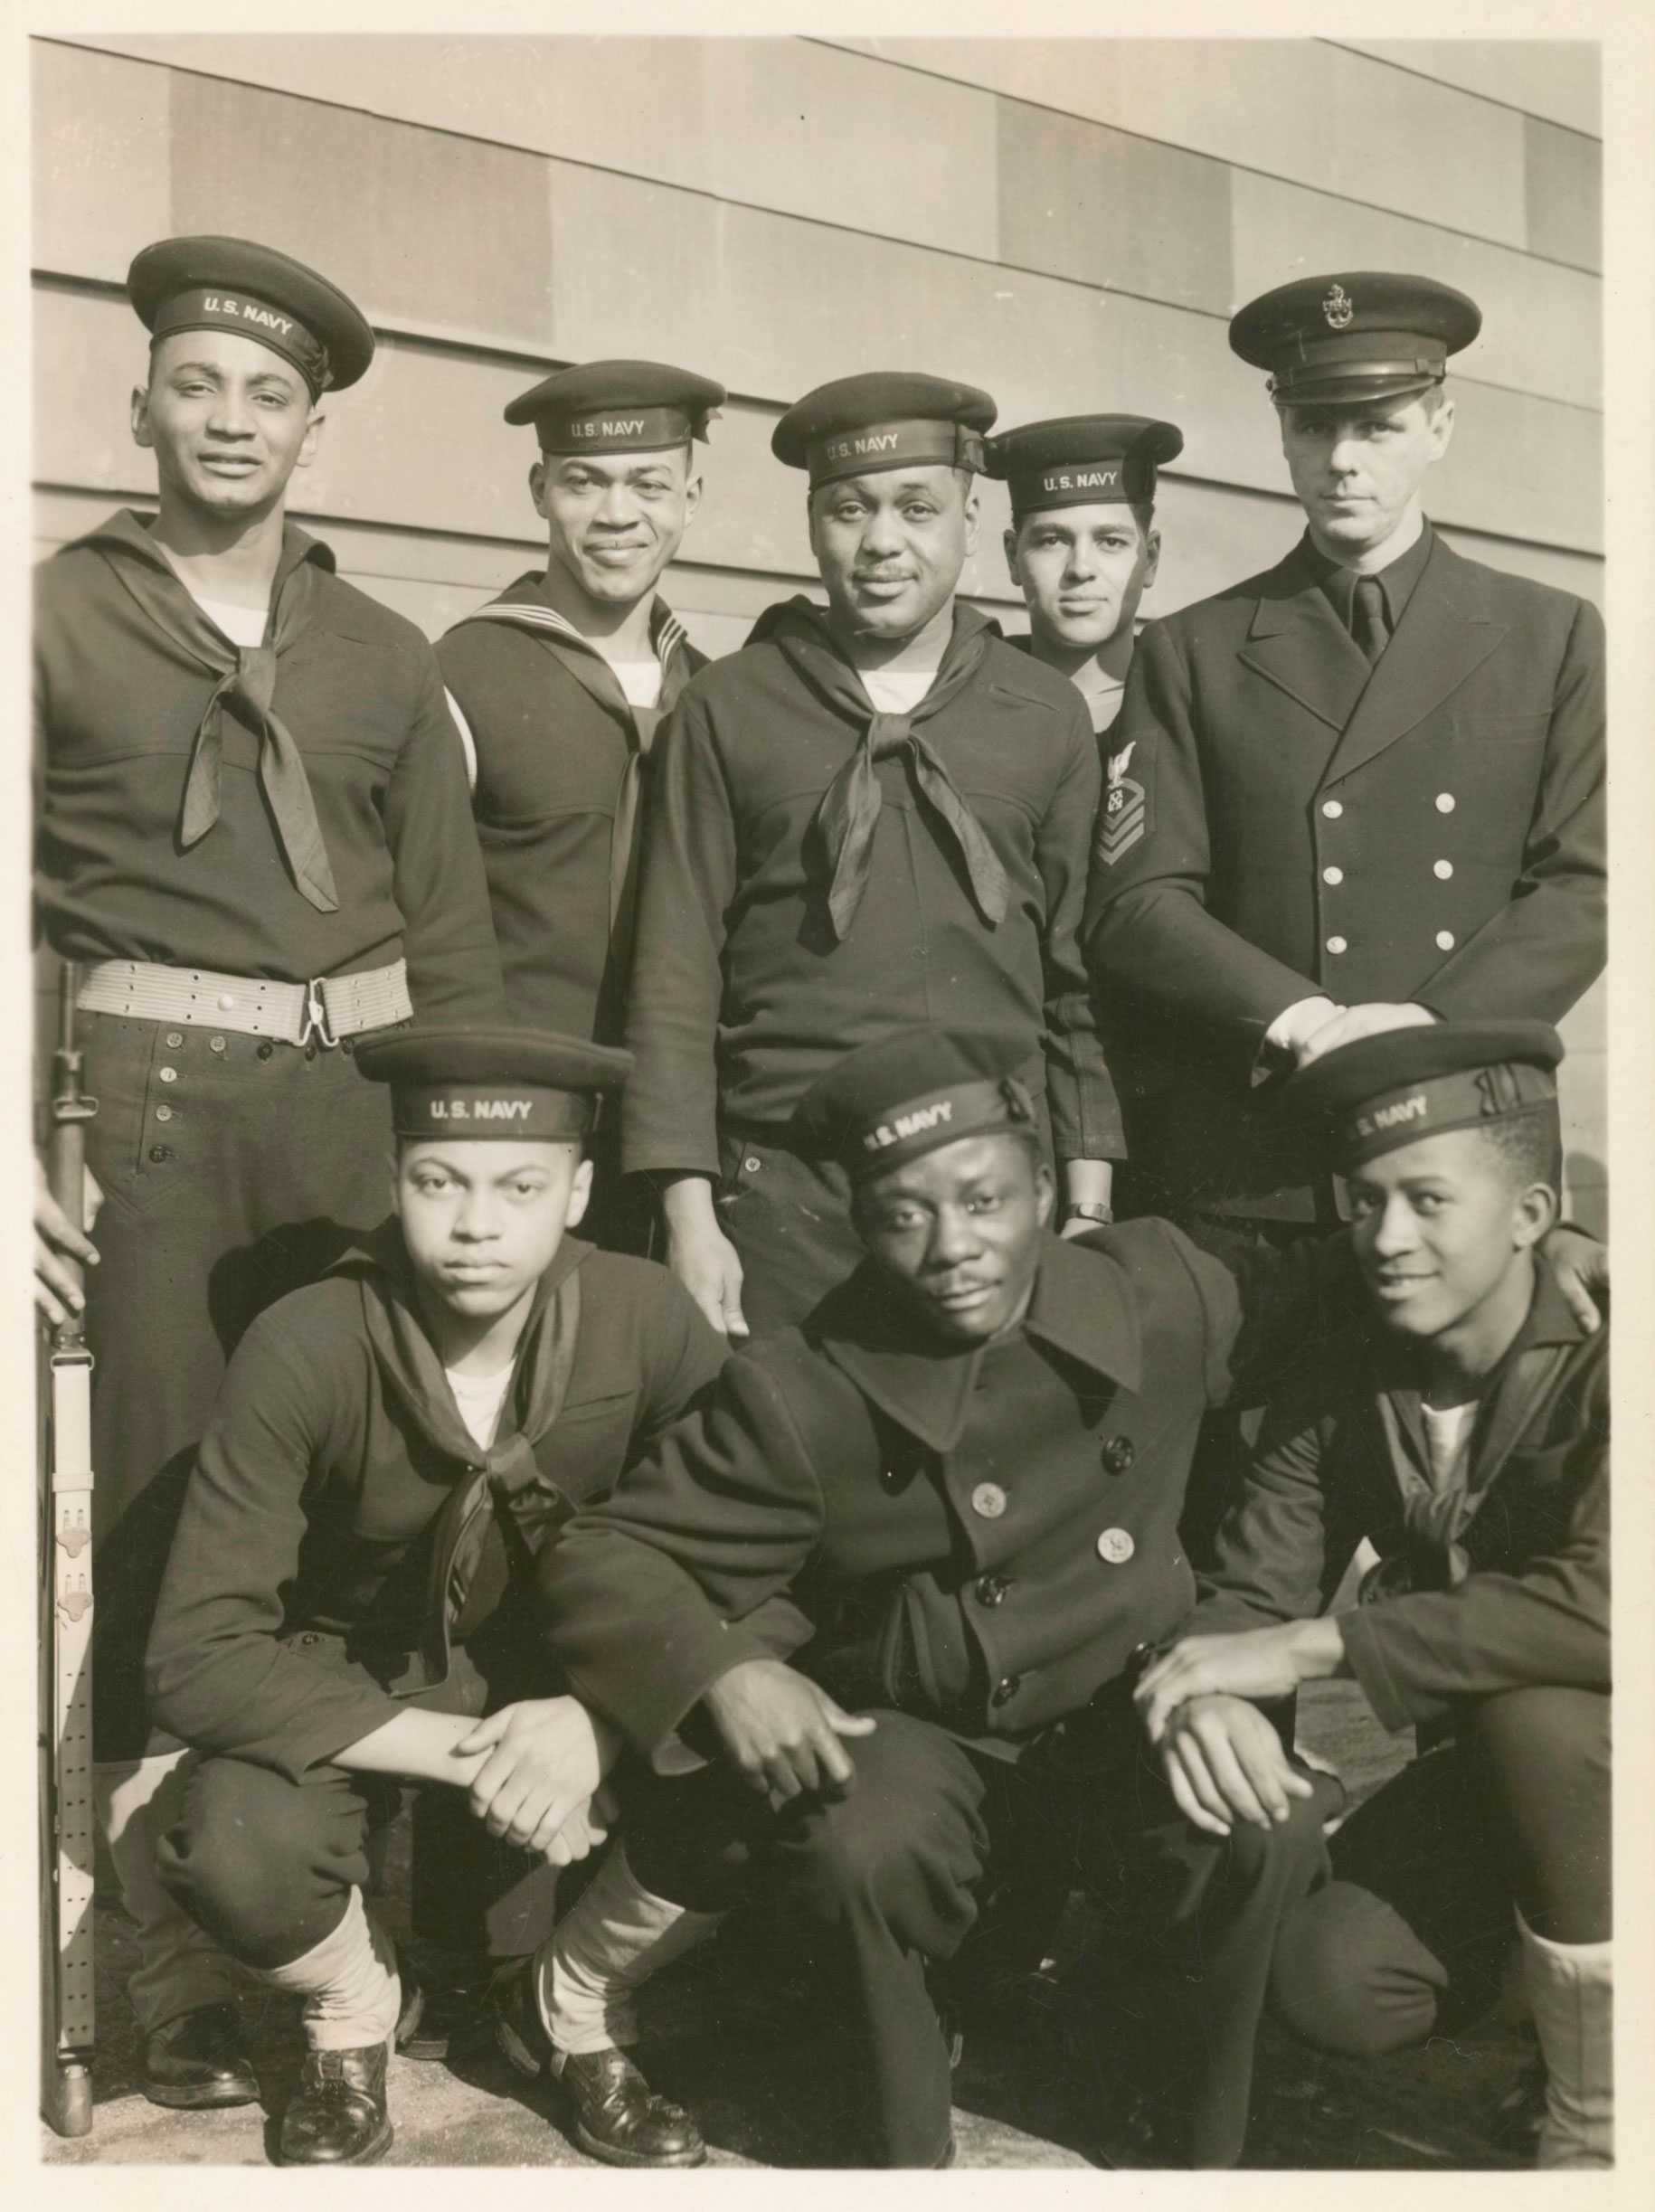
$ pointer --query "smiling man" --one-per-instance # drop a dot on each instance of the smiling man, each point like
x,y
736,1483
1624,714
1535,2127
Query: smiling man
x,y
561,682
1366,788
1462,1427
877,814
393,1455
251,832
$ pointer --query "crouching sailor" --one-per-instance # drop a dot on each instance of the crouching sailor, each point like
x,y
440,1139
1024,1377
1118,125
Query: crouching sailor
x,y
393,1449
1462,1427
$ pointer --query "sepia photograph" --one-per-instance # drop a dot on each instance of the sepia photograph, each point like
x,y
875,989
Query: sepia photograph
x,y
821,1025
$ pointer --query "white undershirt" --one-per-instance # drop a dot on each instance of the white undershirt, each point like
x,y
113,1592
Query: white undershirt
x,y
243,626
1448,1430
480,1398
896,691
639,679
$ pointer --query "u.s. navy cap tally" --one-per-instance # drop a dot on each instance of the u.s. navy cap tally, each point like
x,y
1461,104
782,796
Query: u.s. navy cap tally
x,y
459,1082
889,1103
618,407
212,283
1081,461
859,425
1405,1084
1365,333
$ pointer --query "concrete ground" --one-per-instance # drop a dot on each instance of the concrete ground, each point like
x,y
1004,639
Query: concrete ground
x,y
746,2055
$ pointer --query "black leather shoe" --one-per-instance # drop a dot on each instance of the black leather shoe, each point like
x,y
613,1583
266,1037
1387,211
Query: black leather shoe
x,y
337,2116
199,2060
619,2118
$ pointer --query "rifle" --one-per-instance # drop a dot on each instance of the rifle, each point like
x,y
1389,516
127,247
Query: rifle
x,y
65,1681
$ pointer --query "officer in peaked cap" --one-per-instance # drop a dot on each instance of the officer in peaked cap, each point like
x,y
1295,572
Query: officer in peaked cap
x,y
973,1453
871,816
1364,336
253,838
1083,546
389,1464
1460,1424
560,685
1324,839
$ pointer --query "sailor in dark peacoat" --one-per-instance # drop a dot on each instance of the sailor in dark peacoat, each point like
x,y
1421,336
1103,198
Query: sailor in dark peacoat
x,y
982,1531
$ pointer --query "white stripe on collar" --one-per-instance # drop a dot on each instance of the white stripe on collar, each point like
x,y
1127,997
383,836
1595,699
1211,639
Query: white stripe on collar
x,y
666,632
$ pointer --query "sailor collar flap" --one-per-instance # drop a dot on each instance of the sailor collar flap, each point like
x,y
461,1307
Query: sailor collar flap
x,y
1081,1307
411,1370
523,605
128,532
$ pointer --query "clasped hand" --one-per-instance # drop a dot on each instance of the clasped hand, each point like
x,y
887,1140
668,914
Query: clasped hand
x,y
540,1785
1223,1762
782,1733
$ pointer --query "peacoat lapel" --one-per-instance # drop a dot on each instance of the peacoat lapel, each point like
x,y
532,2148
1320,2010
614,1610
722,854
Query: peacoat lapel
x,y
1082,1306
1296,642
1446,631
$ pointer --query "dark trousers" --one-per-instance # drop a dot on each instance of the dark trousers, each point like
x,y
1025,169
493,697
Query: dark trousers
x,y
234,1169
266,1866
789,1218
1404,1934
883,1885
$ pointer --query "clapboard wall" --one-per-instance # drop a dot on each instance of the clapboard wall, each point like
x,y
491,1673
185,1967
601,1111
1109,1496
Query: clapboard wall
x,y
1068,222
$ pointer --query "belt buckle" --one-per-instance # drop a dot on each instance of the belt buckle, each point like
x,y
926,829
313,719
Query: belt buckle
x,y
316,1017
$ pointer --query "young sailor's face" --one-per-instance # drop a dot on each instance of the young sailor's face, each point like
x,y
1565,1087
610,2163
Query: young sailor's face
x,y
227,420
959,1230
483,1218
1437,1228
614,520
1083,571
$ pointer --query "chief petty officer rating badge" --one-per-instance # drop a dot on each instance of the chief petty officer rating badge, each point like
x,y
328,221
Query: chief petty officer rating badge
x,y
1121,823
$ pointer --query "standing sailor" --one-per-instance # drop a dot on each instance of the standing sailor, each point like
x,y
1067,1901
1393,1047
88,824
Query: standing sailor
x,y
252,831
1082,547
561,683
875,814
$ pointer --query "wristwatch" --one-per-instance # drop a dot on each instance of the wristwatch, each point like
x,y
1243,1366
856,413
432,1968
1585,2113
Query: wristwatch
x,y
1089,1209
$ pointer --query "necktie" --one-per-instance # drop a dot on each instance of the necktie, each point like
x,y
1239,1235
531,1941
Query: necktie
x,y
1368,626
509,1494
247,683
850,809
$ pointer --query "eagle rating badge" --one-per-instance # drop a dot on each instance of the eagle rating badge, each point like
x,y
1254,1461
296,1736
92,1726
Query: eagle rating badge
x,y
1121,822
